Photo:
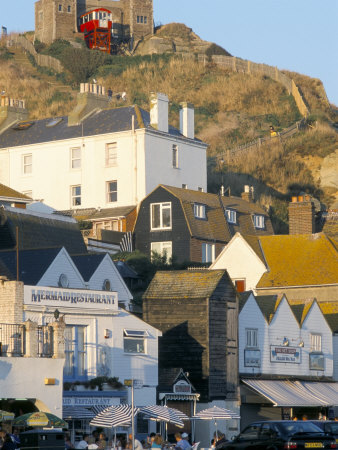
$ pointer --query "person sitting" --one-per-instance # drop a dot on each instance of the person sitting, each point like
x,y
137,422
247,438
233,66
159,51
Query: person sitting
x,y
137,443
8,443
181,444
84,442
157,442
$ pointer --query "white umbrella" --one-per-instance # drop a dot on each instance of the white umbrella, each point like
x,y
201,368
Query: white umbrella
x,y
114,416
165,414
216,413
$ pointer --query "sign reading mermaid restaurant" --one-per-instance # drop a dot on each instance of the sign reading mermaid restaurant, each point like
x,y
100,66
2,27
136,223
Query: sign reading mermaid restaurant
x,y
72,298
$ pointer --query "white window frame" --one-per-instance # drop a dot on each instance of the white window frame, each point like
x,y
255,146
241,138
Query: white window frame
x,y
251,337
111,158
74,196
199,211
163,206
316,342
135,336
165,248
231,215
259,221
75,160
27,167
75,352
208,252
175,156
110,191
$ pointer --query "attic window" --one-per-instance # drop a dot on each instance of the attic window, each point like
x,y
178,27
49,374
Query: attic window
x,y
106,285
54,122
259,221
199,211
63,281
22,126
231,216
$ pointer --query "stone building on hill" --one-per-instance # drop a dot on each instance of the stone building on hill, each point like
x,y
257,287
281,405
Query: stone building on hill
x,y
59,19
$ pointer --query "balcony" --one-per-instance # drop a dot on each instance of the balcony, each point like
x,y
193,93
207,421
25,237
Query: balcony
x,y
26,340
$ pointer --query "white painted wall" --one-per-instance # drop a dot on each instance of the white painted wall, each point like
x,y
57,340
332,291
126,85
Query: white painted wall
x,y
108,271
335,356
144,160
25,378
284,324
241,262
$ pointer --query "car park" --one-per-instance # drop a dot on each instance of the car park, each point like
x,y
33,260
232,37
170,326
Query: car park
x,y
281,434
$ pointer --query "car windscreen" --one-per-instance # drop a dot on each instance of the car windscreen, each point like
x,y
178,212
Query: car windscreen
x,y
331,427
299,427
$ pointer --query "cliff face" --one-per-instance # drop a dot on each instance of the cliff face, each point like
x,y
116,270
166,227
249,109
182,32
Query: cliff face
x,y
177,38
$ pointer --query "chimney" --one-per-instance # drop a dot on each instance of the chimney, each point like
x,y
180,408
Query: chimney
x,y
159,112
11,112
248,194
187,120
301,215
91,98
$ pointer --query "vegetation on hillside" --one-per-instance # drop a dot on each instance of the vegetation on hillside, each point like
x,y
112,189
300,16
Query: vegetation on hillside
x,y
230,109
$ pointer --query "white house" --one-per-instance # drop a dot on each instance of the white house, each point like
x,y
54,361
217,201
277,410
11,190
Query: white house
x,y
285,358
98,157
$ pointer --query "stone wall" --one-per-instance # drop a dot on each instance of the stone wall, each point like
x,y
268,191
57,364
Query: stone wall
x,y
11,301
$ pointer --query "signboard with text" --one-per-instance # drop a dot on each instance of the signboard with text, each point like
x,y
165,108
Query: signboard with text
x,y
70,298
91,401
252,358
281,354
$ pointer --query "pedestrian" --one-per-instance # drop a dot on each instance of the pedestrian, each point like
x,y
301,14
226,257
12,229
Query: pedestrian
x,y
110,93
8,443
181,444
220,440
157,442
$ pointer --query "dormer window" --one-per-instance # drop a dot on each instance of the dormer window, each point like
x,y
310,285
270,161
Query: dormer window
x,y
231,216
199,211
259,221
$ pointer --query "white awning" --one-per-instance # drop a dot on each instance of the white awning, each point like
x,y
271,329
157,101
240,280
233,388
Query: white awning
x,y
287,393
327,392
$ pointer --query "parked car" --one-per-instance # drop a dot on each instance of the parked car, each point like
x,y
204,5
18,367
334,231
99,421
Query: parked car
x,y
281,434
329,426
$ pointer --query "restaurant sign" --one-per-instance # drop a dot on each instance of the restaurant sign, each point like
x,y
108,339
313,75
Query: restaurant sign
x,y
283,354
91,401
73,298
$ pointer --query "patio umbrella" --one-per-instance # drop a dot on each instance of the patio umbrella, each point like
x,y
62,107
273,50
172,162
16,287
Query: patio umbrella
x,y
113,416
39,419
164,414
76,412
216,413
5,415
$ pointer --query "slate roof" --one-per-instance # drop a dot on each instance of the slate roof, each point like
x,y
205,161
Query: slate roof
x,y
95,214
8,192
125,271
87,264
268,304
215,226
299,260
184,284
39,231
32,263
300,308
102,122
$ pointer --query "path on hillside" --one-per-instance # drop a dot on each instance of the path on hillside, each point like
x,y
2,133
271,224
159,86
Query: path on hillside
x,y
20,57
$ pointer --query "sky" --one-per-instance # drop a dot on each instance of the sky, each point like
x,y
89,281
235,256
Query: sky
x,y
296,35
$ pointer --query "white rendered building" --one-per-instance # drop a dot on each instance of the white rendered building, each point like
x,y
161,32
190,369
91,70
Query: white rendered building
x,y
98,157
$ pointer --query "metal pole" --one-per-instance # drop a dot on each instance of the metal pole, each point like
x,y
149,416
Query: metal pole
x,y
132,415
17,253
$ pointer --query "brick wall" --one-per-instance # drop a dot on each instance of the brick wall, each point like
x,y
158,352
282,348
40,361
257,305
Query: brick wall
x,y
11,301
301,217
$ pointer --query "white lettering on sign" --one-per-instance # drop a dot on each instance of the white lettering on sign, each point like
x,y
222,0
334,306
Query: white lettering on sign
x,y
47,296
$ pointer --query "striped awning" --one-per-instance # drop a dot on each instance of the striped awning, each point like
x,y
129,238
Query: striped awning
x,y
76,412
327,392
286,393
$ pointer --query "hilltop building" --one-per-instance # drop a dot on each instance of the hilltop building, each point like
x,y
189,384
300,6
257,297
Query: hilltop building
x,y
98,157
59,19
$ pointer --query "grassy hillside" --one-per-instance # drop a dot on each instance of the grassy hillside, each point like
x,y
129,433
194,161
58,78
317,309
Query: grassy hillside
x,y
230,109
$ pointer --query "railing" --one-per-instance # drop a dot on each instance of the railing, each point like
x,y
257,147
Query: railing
x,y
45,341
12,339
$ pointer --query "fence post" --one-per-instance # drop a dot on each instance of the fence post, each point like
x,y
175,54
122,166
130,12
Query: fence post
x,y
31,339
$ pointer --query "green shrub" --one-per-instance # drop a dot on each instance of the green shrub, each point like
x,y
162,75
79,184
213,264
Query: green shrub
x,y
57,48
5,54
39,46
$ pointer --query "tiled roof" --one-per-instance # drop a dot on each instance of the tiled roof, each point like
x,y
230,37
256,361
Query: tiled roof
x,y
8,192
254,243
330,227
215,226
39,231
268,305
330,312
300,308
102,122
184,284
95,214
299,260
242,299
32,263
